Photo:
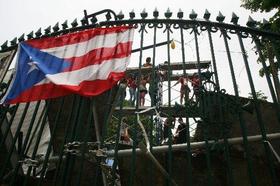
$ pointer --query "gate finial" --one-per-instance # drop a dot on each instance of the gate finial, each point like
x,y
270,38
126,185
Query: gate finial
x,y
64,25
168,13
155,13
56,27
14,41
251,22
30,35
120,15
180,13
93,20
220,17
132,14
265,22
48,30
84,21
206,15
38,33
4,45
234,18
21,38
74,23
144,14
193,15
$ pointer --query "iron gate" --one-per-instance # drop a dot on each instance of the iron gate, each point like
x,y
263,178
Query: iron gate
x,y
230,140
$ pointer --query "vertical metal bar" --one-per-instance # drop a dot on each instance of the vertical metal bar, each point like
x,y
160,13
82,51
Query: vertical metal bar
x,y
153,79
269,82
230,176
40,132
97,133
153,93
10,151
27,136
189,154
243,126
206,103
68,161
117,140
170,138
30,141
67,131
195,31
133,159
76,134
213,58
258,112
9,124
7,68
276,52
202,98
85,140
108,118
96,124
53,133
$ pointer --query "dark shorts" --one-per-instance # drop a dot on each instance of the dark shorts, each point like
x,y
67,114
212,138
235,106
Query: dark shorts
x,y
144,91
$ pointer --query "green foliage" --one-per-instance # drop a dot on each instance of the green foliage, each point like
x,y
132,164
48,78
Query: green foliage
x,y
262,72
267,6
262,5
260,96
270,47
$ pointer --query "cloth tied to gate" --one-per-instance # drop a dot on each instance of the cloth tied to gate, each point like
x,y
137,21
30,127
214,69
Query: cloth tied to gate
x,y
86,63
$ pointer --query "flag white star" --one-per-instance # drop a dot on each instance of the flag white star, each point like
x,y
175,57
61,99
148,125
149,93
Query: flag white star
x,y
33,66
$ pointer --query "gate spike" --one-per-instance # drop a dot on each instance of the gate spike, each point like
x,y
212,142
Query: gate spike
x,y
265,22
132,14
234,18
74,23
84,21
220,17
21,38
168,13
30,35
120,16
64,25
56,27
180,14
251,22
38,33
155,13
144,14
193,15
206,14
93,20
108,16
48,30
14,41
4,45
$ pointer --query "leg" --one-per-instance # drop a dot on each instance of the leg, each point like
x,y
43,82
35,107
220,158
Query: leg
x,y
131,94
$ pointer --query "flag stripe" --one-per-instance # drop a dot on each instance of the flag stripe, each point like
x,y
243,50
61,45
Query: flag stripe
x,y
86,88
92,72
101,55
82,48
74,38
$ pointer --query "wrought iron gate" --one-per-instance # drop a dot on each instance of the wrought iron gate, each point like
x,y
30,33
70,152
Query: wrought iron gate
x,y
229,139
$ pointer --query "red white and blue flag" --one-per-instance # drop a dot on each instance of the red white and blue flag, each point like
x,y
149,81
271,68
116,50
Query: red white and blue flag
x,y
86,63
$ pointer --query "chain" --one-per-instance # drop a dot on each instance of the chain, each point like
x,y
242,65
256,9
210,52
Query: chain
x,y
33,162
90,150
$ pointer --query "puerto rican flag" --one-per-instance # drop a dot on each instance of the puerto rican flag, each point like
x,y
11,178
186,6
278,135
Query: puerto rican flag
x,y
86,63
